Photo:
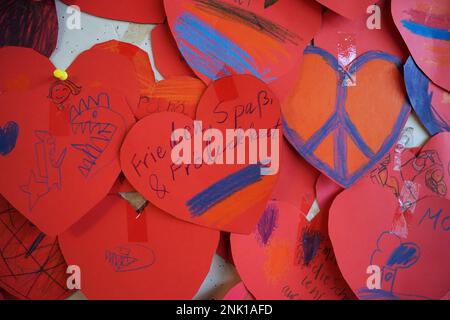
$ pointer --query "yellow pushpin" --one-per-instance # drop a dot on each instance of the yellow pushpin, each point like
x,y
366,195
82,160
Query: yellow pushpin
x,y
60,74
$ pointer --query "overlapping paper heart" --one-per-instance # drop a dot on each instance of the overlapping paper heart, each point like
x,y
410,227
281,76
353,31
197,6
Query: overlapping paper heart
x,y
343,120
124,254
379,264
412,177
286,257
66,155
31,263
224,37
229,197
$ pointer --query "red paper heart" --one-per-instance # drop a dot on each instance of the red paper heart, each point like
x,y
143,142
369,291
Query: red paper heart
x,y
416,267
412,177
228,197
225,37
66,155
344,119
287,257
126,255
31,264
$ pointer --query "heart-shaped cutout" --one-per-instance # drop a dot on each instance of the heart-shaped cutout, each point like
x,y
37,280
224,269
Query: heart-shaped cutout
x,y
377,263
413,176
223,37
228,196
66,157
343,120
126,255
31,265
289,258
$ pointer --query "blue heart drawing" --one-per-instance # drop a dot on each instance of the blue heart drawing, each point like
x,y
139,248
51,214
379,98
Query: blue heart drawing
x,y
8,137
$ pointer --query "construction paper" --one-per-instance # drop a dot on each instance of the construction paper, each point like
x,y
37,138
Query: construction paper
x,y
430,102
296,180
141,63
175,94
224,37
29,23
31,263
350,9
224,247
239,292
228,197
147,254
326,192
288,258
415,267
66,156
347,39
414,176
344,120
168,59
425,25
138,11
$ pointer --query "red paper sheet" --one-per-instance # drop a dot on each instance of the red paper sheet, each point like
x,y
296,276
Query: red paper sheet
x,y
347,39
415,267
425,25
168,59
224,247
344,119
64,159
351,9
239,292
174,94
31,263
288,258
139,11
29,23
225,37
184,190
126,255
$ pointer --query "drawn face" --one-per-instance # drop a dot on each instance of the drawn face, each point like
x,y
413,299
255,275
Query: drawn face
x,y
59,93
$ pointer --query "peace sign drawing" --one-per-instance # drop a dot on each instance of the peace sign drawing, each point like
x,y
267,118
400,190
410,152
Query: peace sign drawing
x,y
343,120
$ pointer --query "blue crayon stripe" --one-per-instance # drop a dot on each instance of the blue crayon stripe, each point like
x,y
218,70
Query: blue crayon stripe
x,y
222,189
208,51
426,31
